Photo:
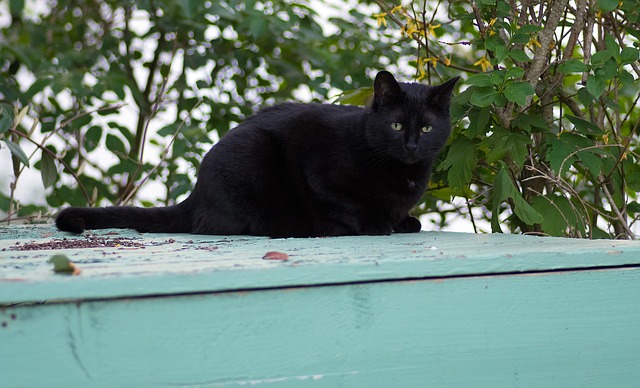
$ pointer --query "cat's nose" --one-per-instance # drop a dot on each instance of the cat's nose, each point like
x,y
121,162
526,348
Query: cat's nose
x,y
411,148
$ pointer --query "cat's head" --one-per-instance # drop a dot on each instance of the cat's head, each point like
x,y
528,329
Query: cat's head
x,y
409,122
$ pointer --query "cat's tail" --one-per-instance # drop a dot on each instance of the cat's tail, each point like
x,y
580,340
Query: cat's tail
x,y
172,219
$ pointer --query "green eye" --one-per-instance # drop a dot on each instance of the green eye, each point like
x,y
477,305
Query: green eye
x,y
396,126
427,128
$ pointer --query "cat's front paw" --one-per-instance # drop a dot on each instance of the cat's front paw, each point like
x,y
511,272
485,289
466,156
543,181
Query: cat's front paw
x,y
408,225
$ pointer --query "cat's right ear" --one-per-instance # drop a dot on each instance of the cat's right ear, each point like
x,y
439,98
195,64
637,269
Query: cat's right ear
x,y
386,89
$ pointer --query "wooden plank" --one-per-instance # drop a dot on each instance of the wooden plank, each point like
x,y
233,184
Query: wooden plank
x,y
183,264
566,329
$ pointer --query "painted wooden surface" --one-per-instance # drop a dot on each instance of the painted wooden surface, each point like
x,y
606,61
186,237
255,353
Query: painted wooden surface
x,y
428,309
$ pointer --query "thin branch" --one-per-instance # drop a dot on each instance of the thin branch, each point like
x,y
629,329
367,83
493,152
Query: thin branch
x,y
621,218
53,155
163,156
545,37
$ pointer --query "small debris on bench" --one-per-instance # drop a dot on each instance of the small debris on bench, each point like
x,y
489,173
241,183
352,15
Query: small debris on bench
x,y
90,241
275,256
62,265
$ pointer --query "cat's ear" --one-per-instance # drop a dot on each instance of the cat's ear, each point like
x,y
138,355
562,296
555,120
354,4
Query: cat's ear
x,y
385,89
441,94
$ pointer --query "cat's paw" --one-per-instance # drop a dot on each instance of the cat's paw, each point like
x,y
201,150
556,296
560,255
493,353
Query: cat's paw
x,y
408,225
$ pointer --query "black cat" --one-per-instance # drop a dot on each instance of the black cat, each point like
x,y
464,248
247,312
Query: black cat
x,y
301,170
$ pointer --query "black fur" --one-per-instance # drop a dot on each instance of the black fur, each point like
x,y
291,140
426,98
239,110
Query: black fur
x,y
300,170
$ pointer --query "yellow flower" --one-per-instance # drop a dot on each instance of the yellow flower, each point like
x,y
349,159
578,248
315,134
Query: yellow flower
x,y
483,63
432,60
605,138
422,71
431,29
397,8
533,43
489,27
380,18
410,28
446,61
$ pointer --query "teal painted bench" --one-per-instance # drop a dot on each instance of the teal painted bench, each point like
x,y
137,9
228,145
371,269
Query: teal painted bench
x,y
413,310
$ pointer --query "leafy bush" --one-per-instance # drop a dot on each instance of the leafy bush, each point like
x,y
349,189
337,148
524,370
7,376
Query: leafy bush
x,y
547,128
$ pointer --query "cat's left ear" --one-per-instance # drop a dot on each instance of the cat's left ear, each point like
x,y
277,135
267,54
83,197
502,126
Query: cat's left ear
x,y
386,89
441,94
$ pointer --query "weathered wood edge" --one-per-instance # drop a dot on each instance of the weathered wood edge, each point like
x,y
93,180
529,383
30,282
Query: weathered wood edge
x,y
236,262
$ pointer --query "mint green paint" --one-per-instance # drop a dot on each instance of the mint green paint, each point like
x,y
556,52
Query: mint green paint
x,y
212,313
575,329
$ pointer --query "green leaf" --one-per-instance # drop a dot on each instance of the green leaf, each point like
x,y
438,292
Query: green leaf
x,y
478,123
169,130
591,160
504,9
461,159
501,53
16,7
503,188
612,46
480,80
518,92
607,5
360,97
520,38
6,117
625,77
115,144
595,86
633,177
483,97
629,55
514,72
559,156
519,55
127,166
633,207
558,214
585,97
563,150
497,77
80,122
608,70
503,142
572,66
259,26
62,265
529,29
107,110
189,8
584,126
523,210
601,57
17,151
528,122
48,170
92,138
